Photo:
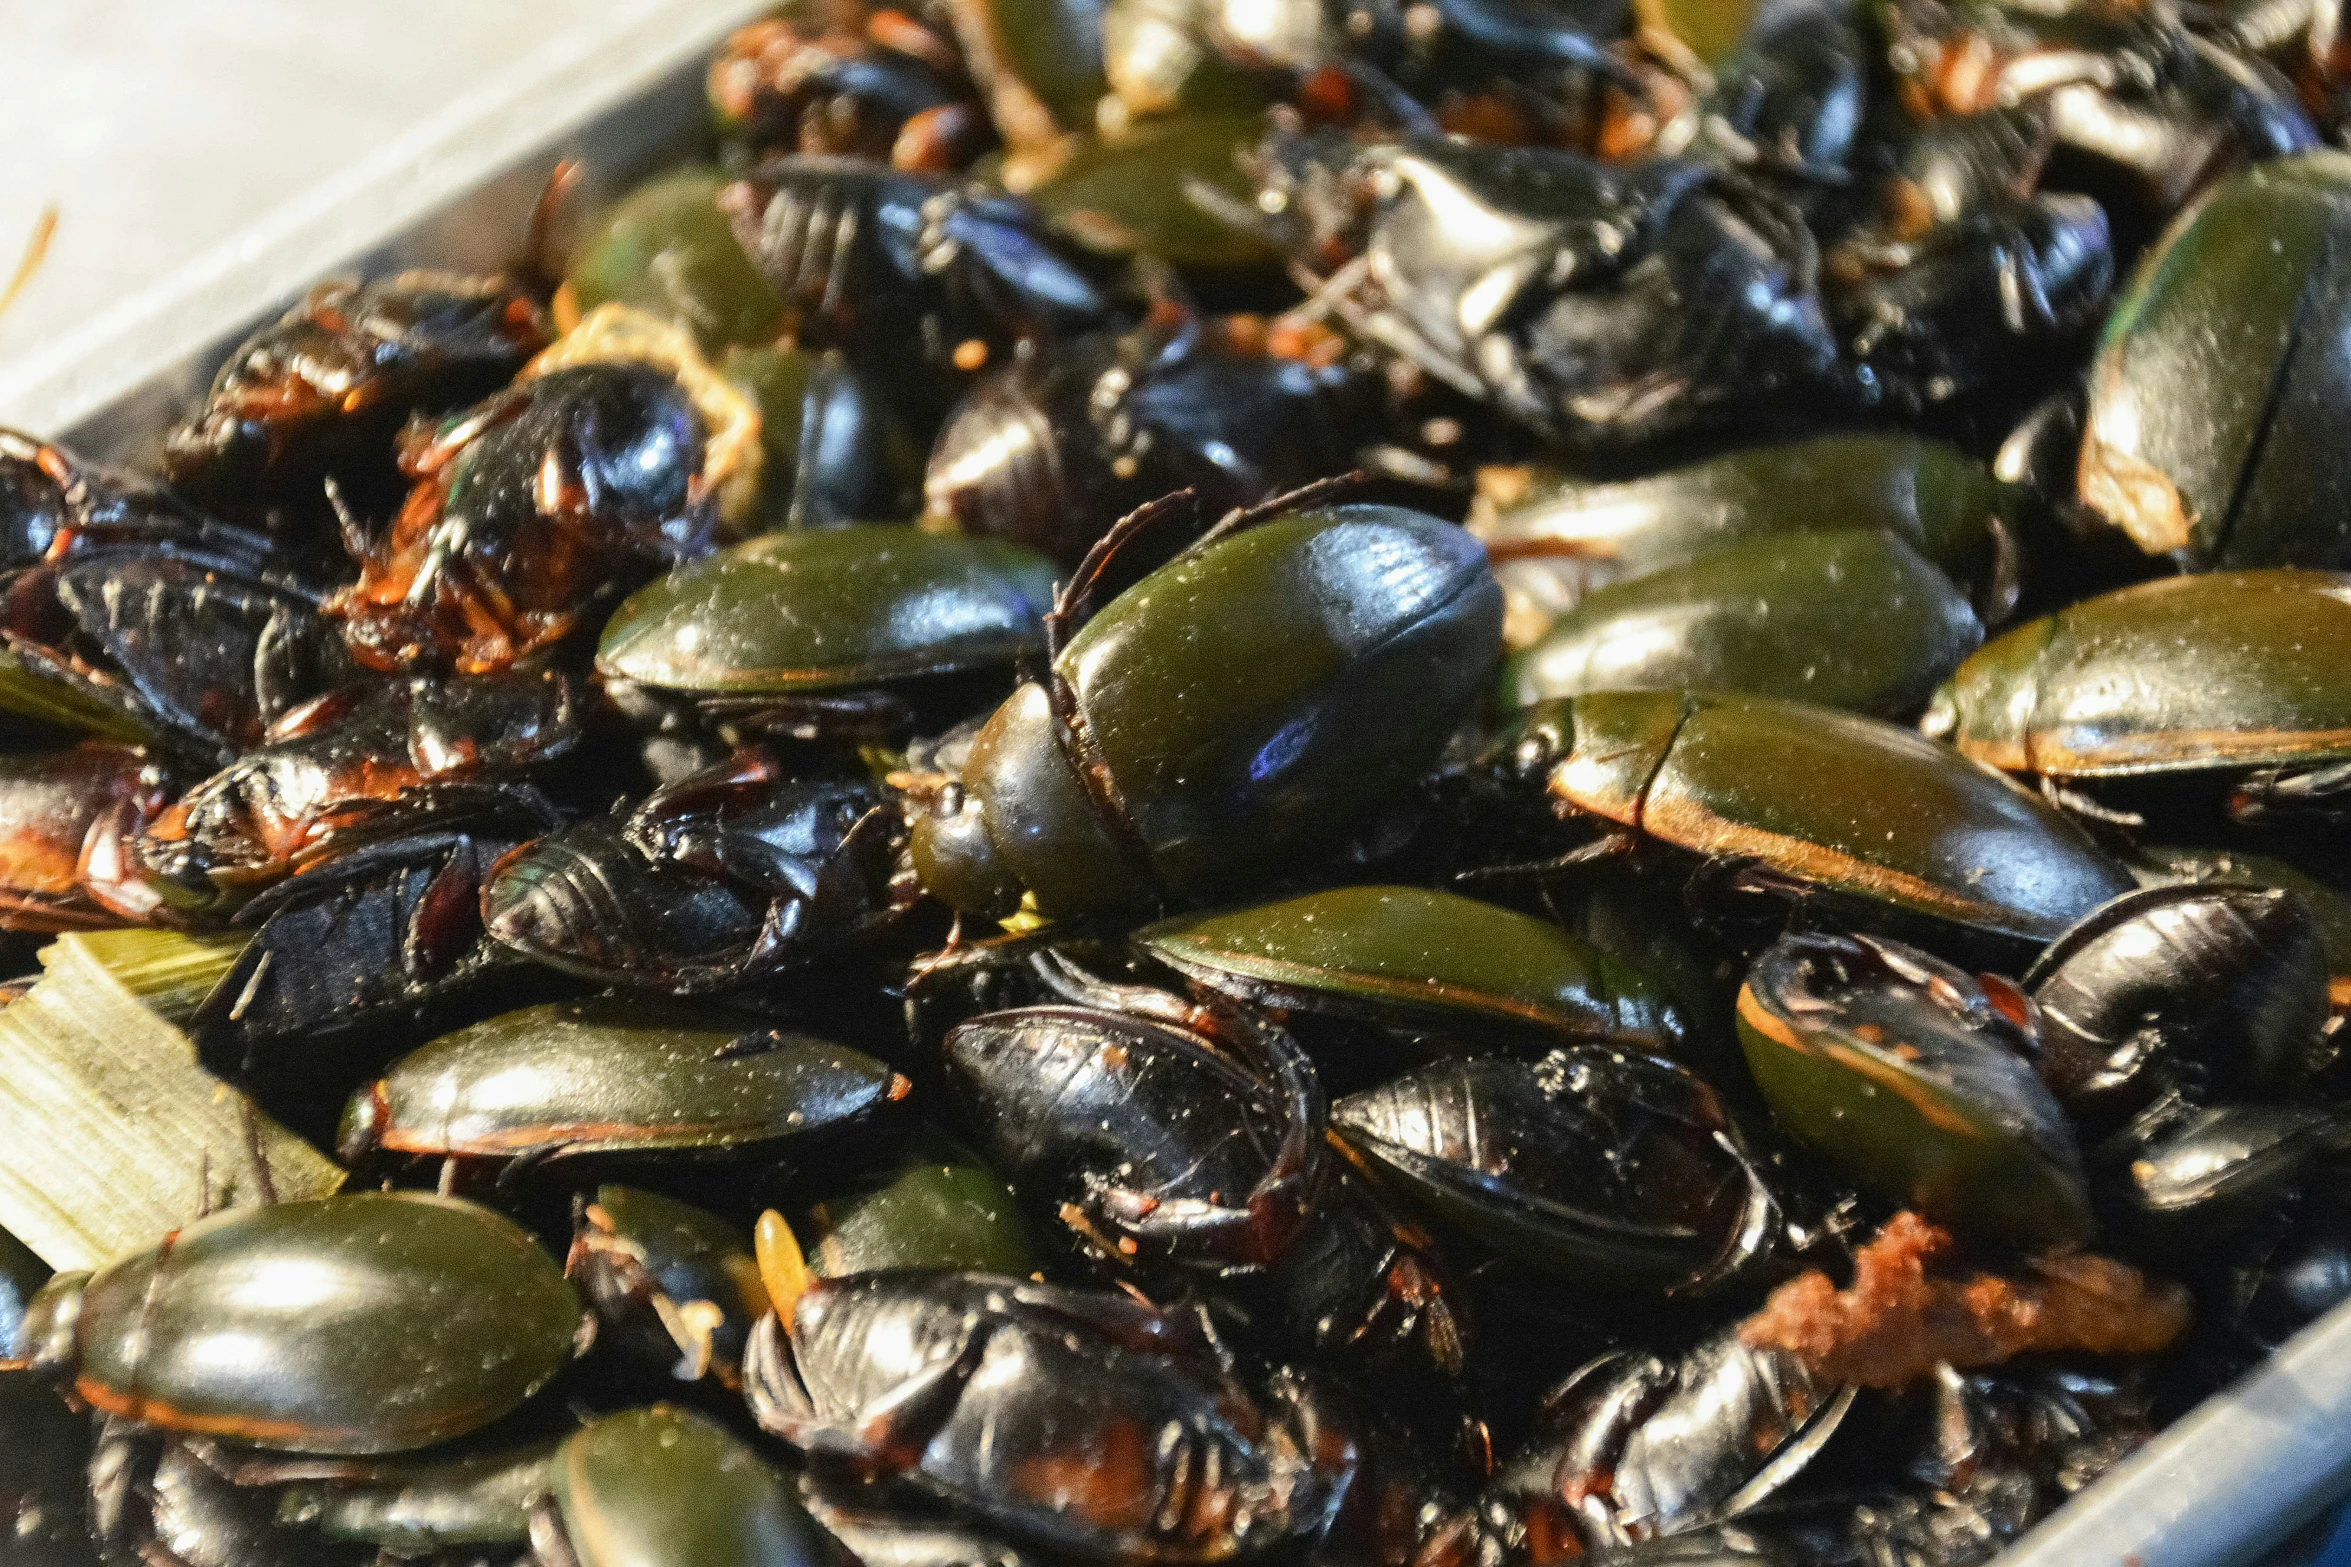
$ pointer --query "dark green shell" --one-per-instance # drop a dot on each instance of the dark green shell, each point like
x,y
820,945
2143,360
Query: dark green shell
x,y
1260,698
1125,195
666,248
372,1323
2224,671
947,1211
1865,1054
1420,959
1867,810
831,609
664,1487
1855,619
613,1075
2214,426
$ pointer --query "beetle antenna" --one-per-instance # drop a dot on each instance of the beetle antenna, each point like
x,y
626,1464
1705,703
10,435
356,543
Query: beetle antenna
x,y
1071,603
36,250
562,180
1242,518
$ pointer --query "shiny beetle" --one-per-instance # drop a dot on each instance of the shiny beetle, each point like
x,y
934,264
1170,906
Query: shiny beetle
x,y
1444,967
903,271
1229,713
664,1487
1053,448
2180,1181
2228,679
528,509
1917,1081
320,393
1080,1420
385,936
667,249
1554,536
356,765
820,630
198,652
149,1330
676,1284
940,1208
66,819
1869,817
1601,307
415,1506
1635,1446
2236,300
1185,1145
1156,1146
1614,1171
1124,195
837,451
721,879
1855,620
2203,990
614,1078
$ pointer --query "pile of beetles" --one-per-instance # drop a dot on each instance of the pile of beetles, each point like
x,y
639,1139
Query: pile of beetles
x,y
1353,783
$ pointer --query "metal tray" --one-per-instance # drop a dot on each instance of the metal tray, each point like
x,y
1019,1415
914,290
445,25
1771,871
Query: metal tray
x,y
2230,1481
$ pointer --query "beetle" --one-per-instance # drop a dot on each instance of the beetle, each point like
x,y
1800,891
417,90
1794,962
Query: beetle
x,y
359,763
1448,968
528,509
1554,536
2227,679
665,1487
1601,307
1053,448
883,86
614,1078
150,1333
1617,1172
678,1283
1854,619
721,879
829,629
385,936
666,248
2233,300
66,818
320,392
1082,1420
1917,1080
1871,818
1232,711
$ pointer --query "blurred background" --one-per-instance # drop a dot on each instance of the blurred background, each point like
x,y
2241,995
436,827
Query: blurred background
x,y
161,129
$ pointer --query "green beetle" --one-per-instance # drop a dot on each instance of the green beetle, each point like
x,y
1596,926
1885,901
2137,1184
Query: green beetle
x,y
664,1487
1854,619
2228,674
1236,710
1914,1079
1893,827
677,1283
2216,393
297,1326
614,1076
822,623
1430,961
666,248
1554,536
1126,194
940,1208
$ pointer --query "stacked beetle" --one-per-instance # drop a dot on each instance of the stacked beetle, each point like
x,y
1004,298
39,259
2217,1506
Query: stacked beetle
x,y
1585,812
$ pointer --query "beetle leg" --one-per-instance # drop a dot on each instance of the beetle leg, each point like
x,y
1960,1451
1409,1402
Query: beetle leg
x,y
2279,793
